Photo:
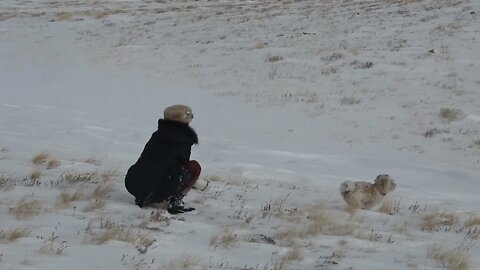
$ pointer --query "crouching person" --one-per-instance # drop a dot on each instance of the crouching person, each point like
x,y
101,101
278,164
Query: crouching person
x,y
164,171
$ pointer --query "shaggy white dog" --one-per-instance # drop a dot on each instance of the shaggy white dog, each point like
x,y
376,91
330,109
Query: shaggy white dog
x,y
365,195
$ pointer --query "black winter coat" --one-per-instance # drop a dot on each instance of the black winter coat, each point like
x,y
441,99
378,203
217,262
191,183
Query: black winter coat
x,y
158,166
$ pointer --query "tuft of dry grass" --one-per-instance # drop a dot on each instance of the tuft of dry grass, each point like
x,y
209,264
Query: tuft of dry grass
x,y
276,208
281,264
450,114
402,228
65,198
333,57
184,263
119,233
35,174
260,45
319,221
93,161
226,239
26,208
389,207
472,221
74,178
94,204
13,234
109,175
273,58
476,143
159,216
361,65
323,223
40,158
101,191
455,259
64,16
294,254
435,221
53,163
349,100
46,158
7,182
52,246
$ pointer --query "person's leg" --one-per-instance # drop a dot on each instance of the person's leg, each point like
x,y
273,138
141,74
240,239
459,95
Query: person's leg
x,y
194,169
189,174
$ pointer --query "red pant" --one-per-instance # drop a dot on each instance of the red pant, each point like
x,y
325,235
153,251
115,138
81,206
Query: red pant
x,y
194,168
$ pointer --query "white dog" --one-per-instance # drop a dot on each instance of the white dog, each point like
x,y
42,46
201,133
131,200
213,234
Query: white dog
x,y
365,195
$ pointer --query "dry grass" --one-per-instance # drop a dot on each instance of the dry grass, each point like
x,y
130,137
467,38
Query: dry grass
x,y
374,236
226,239
74,178
40,158
26,208
35,174
476,143
52,246
184,263
361,65
319,221
333,57
281,264
64,16
456,259
323,223
94,204
472,221
277,209
109,230
53,163
109,175
11,235
7,182
119,233
403,228
96,14
389,207
436,221
273,58
450,114
260,45
93,161
101,191
65,198
159,217
97,197
349,100
47,159
294,254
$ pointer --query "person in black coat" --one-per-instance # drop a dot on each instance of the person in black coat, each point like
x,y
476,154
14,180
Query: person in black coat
x,y
164,171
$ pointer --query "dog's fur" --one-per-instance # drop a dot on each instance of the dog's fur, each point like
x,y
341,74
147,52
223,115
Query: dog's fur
x,y
366,195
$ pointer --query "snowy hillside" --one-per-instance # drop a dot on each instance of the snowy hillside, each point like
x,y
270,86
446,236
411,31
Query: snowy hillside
x,y
291,98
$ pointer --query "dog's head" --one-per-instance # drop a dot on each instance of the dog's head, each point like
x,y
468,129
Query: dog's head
x,y
385,183
347,187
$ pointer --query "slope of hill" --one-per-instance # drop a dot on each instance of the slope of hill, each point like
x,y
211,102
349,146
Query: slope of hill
x,y
290,98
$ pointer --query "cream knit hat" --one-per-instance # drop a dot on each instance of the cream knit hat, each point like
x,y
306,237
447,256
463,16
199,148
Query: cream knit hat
x,y
179,113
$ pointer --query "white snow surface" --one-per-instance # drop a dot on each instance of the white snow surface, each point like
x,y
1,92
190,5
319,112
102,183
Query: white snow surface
x,y
291,98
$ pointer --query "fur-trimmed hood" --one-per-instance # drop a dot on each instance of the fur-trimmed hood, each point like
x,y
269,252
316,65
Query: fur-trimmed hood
x,y
176,132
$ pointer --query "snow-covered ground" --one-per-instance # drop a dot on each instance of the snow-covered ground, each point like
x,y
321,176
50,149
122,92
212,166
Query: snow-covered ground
x,y
290,98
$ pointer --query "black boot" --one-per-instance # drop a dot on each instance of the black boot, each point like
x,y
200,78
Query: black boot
x,y
176,205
